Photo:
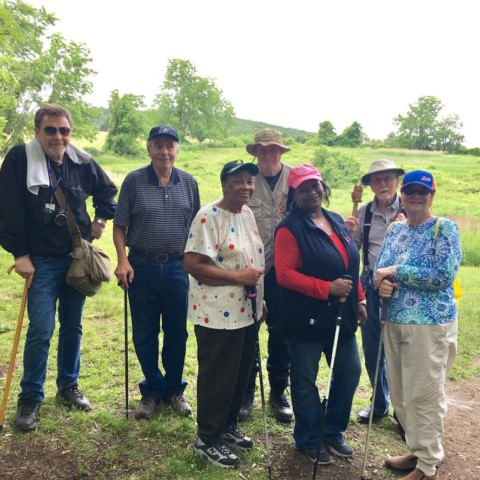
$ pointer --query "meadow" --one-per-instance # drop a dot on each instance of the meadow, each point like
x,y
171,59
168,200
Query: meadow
x,y
102,444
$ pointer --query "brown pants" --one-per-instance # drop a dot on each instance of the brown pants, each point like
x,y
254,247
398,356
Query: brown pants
x,y
225,359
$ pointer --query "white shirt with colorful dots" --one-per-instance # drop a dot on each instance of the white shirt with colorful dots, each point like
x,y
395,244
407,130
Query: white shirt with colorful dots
x,y
232,242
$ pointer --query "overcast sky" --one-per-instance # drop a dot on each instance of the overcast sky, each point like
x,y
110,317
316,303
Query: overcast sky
x,y
294,63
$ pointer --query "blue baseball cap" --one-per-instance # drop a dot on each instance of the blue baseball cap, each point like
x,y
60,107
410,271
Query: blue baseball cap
x,y
419,177
163,130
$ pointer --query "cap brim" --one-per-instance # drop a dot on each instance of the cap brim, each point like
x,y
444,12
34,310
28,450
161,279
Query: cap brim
x,y
163,135
366,178
251,167
414,182
300,180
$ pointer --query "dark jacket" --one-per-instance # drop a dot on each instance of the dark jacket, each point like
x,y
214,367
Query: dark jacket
x,y
320,259
23,230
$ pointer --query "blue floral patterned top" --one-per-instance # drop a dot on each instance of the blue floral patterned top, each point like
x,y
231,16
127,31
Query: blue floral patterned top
x,y
426,268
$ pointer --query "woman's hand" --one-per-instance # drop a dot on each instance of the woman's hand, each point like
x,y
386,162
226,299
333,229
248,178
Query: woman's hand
x,y
362,314
352,224
382,273
249,276
341,287
386,288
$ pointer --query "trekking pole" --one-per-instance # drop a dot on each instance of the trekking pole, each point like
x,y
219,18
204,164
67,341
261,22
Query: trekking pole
x,y
251,293
13,355
338,322
125,309
385,305
356,198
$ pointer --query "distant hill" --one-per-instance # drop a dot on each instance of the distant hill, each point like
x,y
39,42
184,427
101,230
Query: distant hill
x,y
250,127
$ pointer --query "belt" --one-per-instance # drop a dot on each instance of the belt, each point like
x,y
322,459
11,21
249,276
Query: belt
x,y
156,256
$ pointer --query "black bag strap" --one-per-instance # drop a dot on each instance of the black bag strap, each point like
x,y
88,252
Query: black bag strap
x,y
367,223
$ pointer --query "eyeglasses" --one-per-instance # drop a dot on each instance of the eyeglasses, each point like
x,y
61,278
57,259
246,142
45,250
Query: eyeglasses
x,y
412,190
51,131
378,180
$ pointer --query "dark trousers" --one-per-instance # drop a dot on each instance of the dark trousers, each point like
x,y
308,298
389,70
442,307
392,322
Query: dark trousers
x,y
225,359
278,362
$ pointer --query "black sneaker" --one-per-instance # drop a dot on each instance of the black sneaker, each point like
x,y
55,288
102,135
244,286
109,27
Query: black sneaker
x,y
324,457
282,410
341,450
216,453
235,438
73,397
246,408
27,414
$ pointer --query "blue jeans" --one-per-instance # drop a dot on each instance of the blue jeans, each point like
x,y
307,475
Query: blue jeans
x,y
370,341
47,287
306,399
159,290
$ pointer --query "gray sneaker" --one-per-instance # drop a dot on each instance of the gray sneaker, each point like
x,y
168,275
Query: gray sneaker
x,y
179,404
146,408
235,438
216,453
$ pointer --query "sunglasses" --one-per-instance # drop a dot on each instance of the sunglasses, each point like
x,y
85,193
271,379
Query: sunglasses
x,y
51,131
412,190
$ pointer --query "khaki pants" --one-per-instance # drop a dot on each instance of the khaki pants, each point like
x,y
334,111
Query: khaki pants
x,y
418,360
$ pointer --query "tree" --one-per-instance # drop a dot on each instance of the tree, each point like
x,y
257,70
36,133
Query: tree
x,y
32,74
326,134
352,136
125,124
449,139
338,169
193,104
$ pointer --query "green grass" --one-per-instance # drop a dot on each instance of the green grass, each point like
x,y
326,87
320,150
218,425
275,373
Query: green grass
x,y
102,444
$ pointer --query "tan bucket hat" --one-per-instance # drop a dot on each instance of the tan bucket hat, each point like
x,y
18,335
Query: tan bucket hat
x,y
382,165
266,137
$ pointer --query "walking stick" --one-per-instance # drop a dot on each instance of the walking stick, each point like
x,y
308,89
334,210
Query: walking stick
x,y
338,322
356,198
11,365
385,305
251,293
125,310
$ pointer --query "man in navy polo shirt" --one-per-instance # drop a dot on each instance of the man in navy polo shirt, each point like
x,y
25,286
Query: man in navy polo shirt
x,y
156,206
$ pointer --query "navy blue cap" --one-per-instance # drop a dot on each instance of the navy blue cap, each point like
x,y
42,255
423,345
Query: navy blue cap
x,y
235,166
163,130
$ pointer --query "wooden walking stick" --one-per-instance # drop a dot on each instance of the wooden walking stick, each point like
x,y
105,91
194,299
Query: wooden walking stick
x,y
356,198
13,355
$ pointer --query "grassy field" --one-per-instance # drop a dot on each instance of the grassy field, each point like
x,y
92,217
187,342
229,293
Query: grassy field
x,y
102,443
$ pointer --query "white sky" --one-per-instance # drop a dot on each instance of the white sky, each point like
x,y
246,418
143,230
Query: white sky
x,y
294,63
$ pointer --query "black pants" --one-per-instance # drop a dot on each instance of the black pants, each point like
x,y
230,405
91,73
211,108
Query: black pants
x,y
225,359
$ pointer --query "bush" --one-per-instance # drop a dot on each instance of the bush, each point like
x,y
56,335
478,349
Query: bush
x,y
338,169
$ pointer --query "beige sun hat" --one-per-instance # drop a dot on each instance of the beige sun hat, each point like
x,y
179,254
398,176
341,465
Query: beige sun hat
x,y
266,137
382,165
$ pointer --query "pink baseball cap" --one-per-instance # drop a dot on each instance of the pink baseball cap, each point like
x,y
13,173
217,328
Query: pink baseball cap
x,y
300,174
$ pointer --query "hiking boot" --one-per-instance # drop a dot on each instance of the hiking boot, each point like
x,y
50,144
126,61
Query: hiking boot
x,y
402,463
364,415
216,453
282,410
417,474
235,438
324,457
146,408
73,397
246,408
179,404
341,450
27,414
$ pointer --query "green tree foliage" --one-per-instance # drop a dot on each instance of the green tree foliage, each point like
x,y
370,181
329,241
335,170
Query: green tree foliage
x,y
352,136
36,69
337,168
422,129
326,134
125,124
193,104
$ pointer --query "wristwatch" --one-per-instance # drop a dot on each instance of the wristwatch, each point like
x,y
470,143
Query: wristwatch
x,y
100,221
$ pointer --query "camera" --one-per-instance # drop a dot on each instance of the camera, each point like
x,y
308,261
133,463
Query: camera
x,y
54,216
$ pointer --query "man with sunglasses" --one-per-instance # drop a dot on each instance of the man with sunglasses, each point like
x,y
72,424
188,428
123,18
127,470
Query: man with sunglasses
x,y
368,232
33,229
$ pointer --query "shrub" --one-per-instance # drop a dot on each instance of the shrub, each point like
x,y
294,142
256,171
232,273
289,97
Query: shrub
x,y
338,169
